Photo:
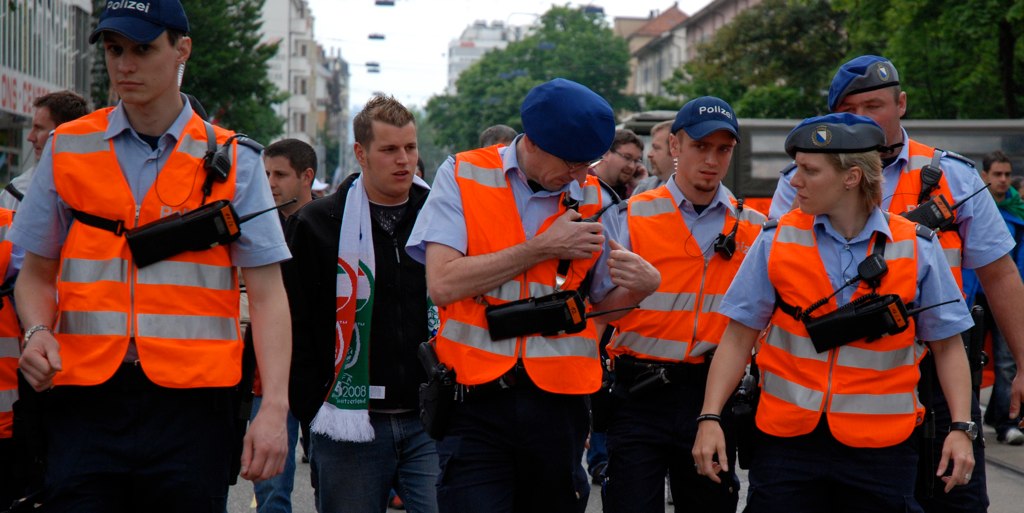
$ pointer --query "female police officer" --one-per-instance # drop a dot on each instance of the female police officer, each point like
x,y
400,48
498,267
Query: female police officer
x,y
838,401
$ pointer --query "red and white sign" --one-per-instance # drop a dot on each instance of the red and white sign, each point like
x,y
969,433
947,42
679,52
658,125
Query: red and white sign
x,y
18,91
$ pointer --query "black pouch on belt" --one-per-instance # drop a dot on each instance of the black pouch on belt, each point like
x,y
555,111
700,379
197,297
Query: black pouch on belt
x,y
437,395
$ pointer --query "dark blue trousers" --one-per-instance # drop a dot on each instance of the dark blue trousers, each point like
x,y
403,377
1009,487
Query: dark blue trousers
x,y
969,498
515,450
814,473
128,445
652,434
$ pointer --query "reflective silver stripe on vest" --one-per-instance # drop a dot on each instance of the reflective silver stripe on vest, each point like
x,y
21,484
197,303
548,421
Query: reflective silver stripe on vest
x,y
800,347
187,327
794,235
711,302
187,274
540,289
508,291
488,177
917,162
193,147
7,399
702,347
901,249
662,348
859,358
752,216
3,232
793,393
476,337
9,347
669,302
590,195
952,256
873,404
80,144
656,206
544,347
80,270
93,323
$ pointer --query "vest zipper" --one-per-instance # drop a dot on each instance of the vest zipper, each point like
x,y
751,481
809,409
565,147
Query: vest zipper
x,y
832,357
698,306
131,285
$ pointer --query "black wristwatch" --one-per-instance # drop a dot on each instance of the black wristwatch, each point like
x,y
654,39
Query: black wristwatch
x,y
967,427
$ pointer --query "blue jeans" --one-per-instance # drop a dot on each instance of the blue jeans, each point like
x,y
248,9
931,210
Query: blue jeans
x,y
998,411
356,477
274,495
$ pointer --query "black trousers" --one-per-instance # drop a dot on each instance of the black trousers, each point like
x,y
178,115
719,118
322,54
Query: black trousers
x,y
129,445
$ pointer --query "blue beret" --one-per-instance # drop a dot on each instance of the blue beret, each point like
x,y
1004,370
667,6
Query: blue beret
x,y
835,133
860,75
702,116
568,120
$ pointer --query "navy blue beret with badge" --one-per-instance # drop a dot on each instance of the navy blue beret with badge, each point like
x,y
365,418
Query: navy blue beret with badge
x,y
702,116
860,75
835,133
568,120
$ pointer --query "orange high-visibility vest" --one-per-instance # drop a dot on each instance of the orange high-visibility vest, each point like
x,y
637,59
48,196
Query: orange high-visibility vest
x,y
867,390
905,196
10,336
565,364
182,312
680,321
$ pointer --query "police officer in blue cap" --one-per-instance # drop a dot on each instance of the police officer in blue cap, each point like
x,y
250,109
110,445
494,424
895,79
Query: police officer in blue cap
x,y
838,405
521,225
697,234
976,241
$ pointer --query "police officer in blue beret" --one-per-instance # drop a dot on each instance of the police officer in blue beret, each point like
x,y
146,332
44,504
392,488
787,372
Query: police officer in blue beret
x,y
977,242
838,411
508,224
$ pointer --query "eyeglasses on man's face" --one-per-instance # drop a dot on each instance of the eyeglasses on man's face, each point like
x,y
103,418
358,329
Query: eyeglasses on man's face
x,y
576,166
629,158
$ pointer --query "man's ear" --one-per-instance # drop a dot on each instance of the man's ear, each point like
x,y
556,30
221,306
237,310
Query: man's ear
x,y
307,176
360,153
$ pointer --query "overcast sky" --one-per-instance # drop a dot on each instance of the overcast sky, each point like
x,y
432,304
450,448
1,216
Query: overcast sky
x,y
414,55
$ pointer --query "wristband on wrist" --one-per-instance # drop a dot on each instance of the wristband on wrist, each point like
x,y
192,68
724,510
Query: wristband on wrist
x,y
709,416
32,331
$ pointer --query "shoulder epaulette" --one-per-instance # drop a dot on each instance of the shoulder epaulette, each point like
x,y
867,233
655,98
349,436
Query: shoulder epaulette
x,y
956,156
924,232
785,171
769,224
251,143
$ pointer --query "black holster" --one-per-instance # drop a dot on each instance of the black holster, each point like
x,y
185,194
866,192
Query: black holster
x,y
437,395
744,410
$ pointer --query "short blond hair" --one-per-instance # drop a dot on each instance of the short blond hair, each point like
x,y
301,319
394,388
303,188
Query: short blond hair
x,y
870,164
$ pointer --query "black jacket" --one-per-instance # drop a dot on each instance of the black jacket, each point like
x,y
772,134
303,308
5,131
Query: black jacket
x,y
399,321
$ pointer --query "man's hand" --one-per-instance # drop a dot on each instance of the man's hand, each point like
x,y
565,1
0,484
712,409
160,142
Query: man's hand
x,y
265,446
40,361
630,271
569,239
1017,394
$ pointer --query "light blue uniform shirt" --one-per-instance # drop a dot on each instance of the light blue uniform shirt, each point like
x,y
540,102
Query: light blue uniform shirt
x,y
43,219
704,227
443,221
981,246
751,297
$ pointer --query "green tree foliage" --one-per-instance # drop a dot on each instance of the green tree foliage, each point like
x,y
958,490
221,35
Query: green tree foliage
x,y
957,59
227,71
774,60
570,43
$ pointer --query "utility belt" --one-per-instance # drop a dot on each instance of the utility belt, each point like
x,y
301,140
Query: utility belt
x,y
514,378
636,376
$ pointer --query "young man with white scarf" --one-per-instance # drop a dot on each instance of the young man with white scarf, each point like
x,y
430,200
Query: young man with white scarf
x,y
359,310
